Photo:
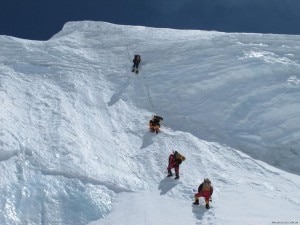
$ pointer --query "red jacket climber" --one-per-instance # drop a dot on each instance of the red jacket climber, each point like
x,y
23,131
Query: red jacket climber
x,y
204,190
175,159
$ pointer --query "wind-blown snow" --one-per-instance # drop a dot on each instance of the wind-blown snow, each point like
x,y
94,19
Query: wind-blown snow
x,y
75,148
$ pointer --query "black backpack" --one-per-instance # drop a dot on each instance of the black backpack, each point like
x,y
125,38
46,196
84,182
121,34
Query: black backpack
x,y
157,118
137,57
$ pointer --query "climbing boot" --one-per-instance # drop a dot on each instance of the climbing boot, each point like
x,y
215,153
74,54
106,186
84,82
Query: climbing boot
x,y
196,202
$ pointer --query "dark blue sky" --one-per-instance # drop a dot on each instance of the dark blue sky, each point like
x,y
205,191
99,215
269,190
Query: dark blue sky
x,y
40,19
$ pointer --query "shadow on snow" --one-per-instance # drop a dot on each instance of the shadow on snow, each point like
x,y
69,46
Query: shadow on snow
x,y
166,185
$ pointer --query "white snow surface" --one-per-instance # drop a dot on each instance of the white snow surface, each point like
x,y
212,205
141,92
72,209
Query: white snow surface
x,y
75,147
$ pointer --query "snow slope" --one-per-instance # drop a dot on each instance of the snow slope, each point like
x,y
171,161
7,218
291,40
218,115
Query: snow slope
x,y
75,148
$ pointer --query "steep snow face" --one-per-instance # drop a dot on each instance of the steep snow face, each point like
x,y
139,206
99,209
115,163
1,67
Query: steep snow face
x,y
74,136
241,90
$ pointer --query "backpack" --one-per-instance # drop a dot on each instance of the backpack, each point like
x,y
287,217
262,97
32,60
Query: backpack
x,y
206,184
179,156
137,57
159,118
